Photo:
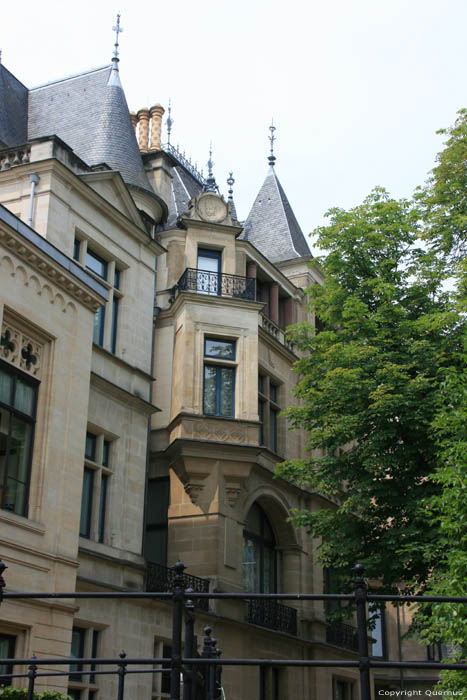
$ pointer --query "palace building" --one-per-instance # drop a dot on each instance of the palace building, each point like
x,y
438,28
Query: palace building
x,y
144,366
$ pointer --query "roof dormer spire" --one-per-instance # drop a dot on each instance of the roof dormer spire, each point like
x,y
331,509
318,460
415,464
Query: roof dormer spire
x,y
272,138
118,30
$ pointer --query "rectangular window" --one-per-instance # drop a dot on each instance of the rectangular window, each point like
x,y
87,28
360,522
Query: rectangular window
x,y
99,326
96,483
96,264
84,644
161,679
155,545
106,317
18,398
76,249
268,412
342,690
113,329
7,651
208,272
219,379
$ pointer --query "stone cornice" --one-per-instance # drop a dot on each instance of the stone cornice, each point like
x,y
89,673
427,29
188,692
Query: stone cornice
x,y
123,395
50,262
214,300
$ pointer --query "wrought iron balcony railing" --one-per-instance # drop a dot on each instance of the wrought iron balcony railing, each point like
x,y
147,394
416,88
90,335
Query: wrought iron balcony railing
x,y
217,284
159,579
273,615
342,635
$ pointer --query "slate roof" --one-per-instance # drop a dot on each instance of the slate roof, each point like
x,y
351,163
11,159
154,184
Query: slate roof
x,y
271,224
13,110
184,187
90,113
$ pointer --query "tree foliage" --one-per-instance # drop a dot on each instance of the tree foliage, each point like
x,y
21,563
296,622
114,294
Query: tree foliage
x,y
370,381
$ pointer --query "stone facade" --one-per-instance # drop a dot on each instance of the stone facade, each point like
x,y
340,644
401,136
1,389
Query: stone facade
x,y
161,366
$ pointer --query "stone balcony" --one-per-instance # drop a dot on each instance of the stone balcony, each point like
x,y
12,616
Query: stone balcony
x,y
276,332
217,284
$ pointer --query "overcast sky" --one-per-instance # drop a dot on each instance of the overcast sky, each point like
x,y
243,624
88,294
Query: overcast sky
x,y
357,88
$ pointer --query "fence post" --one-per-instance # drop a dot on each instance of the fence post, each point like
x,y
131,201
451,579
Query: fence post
x,y
189,677
3,566
206,654
360,588
218,676
176,661
212,671
121,676
32,673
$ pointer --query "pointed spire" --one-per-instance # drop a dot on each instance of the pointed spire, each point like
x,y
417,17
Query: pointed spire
x,y
211,185
272,138
230,182
118,30
169,121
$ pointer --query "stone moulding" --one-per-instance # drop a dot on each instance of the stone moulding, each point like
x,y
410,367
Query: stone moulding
x,y
60,277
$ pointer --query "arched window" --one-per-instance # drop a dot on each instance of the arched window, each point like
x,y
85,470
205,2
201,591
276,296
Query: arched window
x,y
259,553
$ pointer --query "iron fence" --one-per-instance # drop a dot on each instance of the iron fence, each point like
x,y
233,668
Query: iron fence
x,y
198,674
217,284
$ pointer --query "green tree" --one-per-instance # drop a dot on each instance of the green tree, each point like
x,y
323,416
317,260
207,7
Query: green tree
x,y
368,391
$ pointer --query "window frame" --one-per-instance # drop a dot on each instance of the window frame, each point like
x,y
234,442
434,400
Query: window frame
x,y
105,331
9,668
80,682
219,364
31,420
269,409
101,470
264,543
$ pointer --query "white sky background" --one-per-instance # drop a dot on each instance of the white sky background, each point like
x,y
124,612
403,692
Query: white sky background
x,y
357,88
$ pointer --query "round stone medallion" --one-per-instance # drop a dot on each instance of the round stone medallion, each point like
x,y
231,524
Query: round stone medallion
x,y
212,208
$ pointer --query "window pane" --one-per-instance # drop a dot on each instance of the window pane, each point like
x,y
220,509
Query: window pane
x,y
273,430
113,330
96,264
117,279
269,583
253,523
98,330
7,651
224,349
76,247
377,634
4,432
209,398
165,682
102,506
227,391
18,465
261,383
6,381
90,449
273,392
86,503
105,453
261,419
251,566
24,397
77,650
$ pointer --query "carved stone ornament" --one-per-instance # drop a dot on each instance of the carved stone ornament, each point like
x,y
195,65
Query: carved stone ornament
x,y
232,493
194,491
21,350
211,208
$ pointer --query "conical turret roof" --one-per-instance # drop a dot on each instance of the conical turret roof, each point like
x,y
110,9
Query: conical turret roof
x,y
90,113
271,224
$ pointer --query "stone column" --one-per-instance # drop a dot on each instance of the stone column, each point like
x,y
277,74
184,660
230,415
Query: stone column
x,y
274,302
251,269
143,119
157,112
289,312
134,120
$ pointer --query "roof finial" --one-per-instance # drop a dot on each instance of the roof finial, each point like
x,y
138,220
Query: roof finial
x,y
211,185
230,182
272,138
118,30
169,121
